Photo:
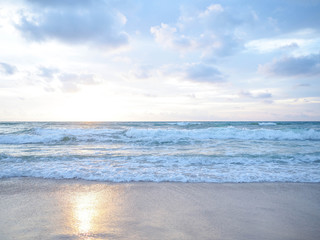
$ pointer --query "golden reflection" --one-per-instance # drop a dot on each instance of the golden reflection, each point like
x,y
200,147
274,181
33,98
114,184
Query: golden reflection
x,y
85,213
94,212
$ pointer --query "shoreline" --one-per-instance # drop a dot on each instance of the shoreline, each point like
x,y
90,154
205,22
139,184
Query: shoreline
x,y
87,181
34,208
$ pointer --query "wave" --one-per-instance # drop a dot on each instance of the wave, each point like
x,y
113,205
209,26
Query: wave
x,y
267,124
156,135
39,135
174,135
168,171
185,123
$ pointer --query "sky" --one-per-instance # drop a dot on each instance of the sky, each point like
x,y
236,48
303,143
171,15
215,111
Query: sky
x,y
152,60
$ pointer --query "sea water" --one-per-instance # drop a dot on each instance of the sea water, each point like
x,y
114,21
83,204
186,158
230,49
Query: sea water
x,y
162,151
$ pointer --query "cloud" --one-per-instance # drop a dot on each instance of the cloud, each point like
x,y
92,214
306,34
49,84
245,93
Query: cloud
x,y
213,32
303,85
54,78
71,82
289,47
66,81
296,15
257,95
276,18
48,72
214,8
143,71
223,29
73,22
308,65
168,37
7,69
203,73
269,45
195,72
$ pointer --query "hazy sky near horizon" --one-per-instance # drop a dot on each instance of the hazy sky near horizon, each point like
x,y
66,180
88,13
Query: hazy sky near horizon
x,y
108,60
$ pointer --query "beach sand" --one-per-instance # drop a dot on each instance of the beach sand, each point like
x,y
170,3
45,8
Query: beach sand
x,y
75,209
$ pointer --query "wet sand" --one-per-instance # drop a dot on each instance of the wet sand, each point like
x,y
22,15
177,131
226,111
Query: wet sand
x,y
74,209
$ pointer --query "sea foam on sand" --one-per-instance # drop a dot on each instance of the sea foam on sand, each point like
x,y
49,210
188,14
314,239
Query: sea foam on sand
x,y
75,209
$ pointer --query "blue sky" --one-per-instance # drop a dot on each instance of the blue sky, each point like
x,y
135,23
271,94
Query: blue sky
x,y
96,60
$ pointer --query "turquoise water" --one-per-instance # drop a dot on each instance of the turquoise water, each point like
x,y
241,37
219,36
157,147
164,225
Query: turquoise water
x,y
162,151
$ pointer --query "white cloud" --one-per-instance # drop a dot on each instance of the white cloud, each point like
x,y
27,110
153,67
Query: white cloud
x,y
7,69
308,65
168,37
192,72
255,94
73,22
214,8
212,32
143,72
204,73
271,45
71,82
47,72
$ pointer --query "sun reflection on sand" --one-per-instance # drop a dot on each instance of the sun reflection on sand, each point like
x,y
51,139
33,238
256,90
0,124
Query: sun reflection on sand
x,y
85,213
93,213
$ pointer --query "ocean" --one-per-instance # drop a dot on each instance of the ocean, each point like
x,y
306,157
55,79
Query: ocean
x,y
162,151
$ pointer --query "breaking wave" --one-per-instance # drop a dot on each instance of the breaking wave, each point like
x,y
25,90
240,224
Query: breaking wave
x,y
162,151
150,135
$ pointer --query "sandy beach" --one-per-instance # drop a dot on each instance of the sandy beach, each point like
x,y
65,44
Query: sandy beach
x,y
75,209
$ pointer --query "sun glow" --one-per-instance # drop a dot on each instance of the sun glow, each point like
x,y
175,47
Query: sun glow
x,y
93,104
93,213
85,213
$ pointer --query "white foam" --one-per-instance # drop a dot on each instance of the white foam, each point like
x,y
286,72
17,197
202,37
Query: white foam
x,y
101,172
177,168
267,124
163,152
158,135
165,135
39,135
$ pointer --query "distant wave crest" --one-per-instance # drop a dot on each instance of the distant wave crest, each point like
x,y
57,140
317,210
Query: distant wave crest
x,y
267,124
150,135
